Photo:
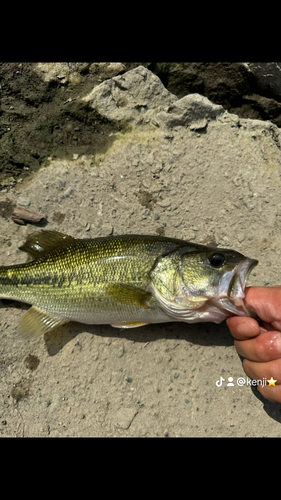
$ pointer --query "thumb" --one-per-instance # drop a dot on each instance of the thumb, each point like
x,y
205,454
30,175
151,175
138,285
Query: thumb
x,y
266,303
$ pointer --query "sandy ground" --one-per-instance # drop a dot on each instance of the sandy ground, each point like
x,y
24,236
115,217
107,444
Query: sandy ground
x,y
183,168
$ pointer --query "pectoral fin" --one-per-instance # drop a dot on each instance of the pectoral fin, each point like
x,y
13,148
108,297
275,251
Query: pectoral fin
x,y
130,295
36,322
133,296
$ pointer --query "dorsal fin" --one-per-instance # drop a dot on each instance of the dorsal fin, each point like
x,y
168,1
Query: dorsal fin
x,y
40,243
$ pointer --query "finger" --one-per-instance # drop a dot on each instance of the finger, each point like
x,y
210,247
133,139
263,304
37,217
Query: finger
x,y
243,327
267,370
272,393
261,371
264,347
265,301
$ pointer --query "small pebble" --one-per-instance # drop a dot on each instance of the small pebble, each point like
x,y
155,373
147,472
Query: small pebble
x,y
119,352
24,202
67,192
124,417
21,216
106,229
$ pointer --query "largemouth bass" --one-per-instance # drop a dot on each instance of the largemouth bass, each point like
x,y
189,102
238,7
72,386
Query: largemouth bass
x,y
126,281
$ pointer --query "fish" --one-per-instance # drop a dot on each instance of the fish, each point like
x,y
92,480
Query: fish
x,y
126,281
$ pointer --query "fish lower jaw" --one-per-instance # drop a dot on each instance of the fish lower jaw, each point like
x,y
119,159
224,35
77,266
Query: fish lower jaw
x,y
237,299
238,302
236,289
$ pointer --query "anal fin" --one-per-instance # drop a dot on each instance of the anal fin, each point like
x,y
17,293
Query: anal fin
x,y
129,324
36,322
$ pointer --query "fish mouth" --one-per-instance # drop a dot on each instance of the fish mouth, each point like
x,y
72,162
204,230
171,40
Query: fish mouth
x,y
237,285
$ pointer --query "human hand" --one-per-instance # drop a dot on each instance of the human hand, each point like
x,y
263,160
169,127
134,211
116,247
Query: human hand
x,y
260,343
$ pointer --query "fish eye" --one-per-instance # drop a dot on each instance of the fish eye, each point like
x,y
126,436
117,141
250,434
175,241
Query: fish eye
x,y
216,259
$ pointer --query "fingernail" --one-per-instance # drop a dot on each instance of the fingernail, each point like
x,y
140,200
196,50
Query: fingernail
x,y
247,328
243,328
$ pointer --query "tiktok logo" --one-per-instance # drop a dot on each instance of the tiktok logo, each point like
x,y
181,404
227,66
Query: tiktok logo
x,y
219,382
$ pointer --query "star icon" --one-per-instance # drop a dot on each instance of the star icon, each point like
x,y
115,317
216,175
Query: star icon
x,y
271,382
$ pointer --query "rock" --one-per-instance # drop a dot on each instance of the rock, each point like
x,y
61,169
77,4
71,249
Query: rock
x,y
22,216
107,70
67,193
190,109
53,71
106,229
119,351
129,97
63,73
23,201
267,75
139,97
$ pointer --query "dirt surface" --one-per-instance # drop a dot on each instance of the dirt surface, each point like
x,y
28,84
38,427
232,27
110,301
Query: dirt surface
x,y
40,117
99,150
